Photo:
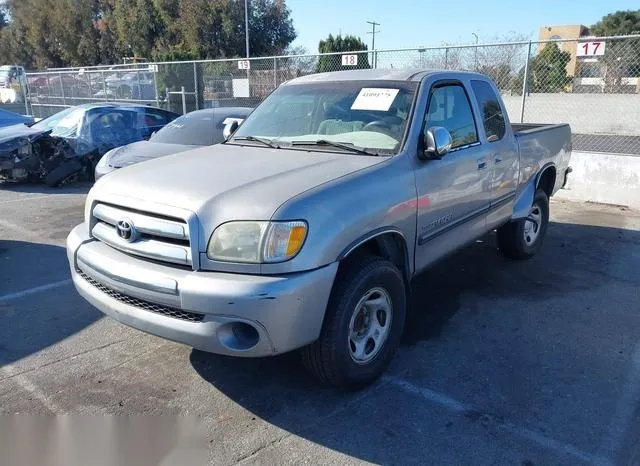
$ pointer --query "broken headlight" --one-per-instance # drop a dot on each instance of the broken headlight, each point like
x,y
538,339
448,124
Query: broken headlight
x,y
23,152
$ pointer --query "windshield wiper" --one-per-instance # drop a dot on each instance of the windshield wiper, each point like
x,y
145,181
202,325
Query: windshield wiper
x,y
342,145
265,141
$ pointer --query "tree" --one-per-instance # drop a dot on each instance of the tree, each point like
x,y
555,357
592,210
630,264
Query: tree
x,y
501,62
501,74
216,28
341,44
619,23
4,22
547,71
58,33
138,24
622,57
303,62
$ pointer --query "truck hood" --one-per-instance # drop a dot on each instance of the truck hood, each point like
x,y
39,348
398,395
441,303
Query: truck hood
x,y
229,182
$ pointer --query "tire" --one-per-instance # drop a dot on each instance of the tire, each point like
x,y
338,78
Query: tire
x,y
332,358
62,172
522,239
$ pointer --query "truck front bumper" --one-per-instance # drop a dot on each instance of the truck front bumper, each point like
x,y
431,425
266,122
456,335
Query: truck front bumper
x,y
223,313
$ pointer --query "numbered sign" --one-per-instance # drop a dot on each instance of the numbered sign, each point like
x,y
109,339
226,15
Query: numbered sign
x,y
349,60
153,68
244,65
590,49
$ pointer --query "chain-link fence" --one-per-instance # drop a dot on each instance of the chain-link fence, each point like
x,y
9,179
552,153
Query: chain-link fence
x,y
591,83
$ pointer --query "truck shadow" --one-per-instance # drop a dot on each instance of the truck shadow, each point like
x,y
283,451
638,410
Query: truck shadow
x,y
31,323
279,391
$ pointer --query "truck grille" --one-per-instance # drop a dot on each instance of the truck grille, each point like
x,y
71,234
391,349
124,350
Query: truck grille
x,y
142,234
142,304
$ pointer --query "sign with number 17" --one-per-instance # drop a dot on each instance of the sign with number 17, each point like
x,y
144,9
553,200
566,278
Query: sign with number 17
x,y
590,49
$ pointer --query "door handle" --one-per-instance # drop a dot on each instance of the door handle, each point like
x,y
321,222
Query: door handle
x,y
482,164
498,160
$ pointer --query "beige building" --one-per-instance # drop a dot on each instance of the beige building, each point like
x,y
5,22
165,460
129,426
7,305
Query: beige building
x,y
574,31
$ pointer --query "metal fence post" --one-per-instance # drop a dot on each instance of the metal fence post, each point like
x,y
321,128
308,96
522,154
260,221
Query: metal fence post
x,y
275,72
184,101
155,85
446,58
25,92
88,75
525,83
167,97
104,87
62,89
195,83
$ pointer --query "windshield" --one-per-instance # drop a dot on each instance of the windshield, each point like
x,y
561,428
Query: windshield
x,y
366,114
64,123
192,129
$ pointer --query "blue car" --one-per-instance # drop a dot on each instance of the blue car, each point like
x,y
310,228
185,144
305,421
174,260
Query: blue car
x,y
67,146
8,118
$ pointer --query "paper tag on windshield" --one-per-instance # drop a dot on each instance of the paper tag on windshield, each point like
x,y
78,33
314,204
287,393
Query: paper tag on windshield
x,y
374,98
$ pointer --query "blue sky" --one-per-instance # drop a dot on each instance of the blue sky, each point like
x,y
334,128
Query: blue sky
x,y
411,23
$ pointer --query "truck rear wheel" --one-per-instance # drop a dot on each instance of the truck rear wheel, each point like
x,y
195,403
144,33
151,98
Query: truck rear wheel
x,y
522,239
362,326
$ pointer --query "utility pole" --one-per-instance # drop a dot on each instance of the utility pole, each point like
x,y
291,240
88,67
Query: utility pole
x,y
246,25
373,41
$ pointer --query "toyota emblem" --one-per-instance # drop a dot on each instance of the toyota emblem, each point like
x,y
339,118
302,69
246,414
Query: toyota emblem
x,y
126,230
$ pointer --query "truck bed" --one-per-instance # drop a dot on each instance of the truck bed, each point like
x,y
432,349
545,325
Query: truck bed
x,y
541,144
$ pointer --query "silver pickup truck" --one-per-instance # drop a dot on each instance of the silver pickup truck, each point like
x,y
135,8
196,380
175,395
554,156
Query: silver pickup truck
x,y
305,228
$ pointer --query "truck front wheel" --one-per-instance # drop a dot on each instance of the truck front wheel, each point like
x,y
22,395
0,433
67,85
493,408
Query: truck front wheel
x,y
522,239
363,324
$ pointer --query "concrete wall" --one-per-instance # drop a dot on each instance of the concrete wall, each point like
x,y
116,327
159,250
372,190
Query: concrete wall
x,y
603,178
617,114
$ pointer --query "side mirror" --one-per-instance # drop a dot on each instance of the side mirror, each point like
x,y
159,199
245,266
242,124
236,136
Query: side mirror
x,y
437,143
229,129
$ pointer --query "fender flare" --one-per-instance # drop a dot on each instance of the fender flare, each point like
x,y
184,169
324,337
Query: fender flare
x,y
524,200
377,233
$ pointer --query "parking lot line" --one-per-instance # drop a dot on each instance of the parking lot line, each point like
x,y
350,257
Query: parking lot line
x,y
38,289
519,431
34,391
25,198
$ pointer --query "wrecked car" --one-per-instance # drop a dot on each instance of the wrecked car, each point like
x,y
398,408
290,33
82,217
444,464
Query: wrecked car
x,y
67,146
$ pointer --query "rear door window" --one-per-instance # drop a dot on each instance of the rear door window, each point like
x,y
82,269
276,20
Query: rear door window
x,y
490,109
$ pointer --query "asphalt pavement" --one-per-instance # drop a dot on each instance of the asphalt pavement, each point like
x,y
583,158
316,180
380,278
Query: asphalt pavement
x,y
520,363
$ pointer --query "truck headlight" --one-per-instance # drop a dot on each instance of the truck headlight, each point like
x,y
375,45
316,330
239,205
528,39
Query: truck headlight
x,y
257,242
